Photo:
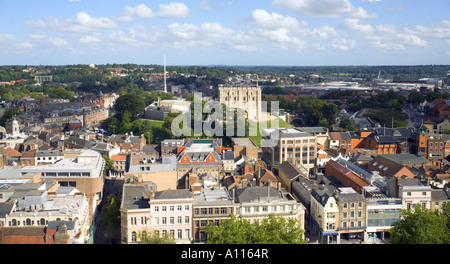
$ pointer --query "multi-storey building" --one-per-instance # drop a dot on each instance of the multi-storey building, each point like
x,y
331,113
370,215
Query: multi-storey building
x,y
38,204
352,214
382,212
127,142
300,148
325,213
161,213
171,214
257,203
414,192
211,205
82,169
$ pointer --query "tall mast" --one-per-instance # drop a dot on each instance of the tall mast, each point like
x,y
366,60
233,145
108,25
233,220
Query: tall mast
x,y
165,84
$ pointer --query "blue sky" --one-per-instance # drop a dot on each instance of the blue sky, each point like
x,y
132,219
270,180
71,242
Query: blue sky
x,y
227,32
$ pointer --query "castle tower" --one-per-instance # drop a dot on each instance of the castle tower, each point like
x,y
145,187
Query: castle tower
x,y
247,98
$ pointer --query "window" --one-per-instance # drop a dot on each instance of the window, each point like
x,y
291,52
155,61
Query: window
x,y
171,208
156,221
179,208
164,220
164,209
186,208
186,219
424,193
179,220
180,233
171,220
223,210
156,209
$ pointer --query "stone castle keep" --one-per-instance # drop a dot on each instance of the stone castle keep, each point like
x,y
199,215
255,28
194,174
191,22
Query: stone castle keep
x,y
247,98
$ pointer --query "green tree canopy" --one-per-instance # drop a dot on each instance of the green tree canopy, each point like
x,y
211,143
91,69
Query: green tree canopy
x,y
421,226
273,230
146,237
110,221
130,102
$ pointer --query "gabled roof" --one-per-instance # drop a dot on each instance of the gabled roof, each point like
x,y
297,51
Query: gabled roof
x,y
321,194
11,152
249,194
268,176
386,165
173,194
290,170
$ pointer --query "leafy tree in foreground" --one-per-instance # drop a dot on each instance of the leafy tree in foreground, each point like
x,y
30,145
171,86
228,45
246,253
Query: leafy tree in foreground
x,y
272,230
421,226
110,221
154,238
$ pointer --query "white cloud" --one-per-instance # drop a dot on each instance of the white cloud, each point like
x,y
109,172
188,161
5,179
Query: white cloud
x,y
317,8
343,44
173,9
325,8
139,10
57,42
83,23
383,37
362,13
265,20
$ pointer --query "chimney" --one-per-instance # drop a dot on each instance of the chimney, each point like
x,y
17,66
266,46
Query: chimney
x,y
126,136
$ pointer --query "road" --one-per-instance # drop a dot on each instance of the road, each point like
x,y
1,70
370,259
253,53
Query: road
x,y
111,186
414,116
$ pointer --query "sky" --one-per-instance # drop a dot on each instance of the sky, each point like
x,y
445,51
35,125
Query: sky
x,y
225,32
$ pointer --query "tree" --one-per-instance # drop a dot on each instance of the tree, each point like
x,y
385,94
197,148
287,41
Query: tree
x,y
109,164
130,102
145,127
272,230
110,221
421,226
126,121
348,124
146,237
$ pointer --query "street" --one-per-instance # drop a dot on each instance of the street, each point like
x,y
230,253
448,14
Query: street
x,y
111,186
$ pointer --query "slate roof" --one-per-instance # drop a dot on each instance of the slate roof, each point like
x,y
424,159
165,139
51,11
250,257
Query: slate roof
x,y
321,194
121,138
290,170
389,166
228,155
6,208
55,224
135,197
173,194
405,158
250,194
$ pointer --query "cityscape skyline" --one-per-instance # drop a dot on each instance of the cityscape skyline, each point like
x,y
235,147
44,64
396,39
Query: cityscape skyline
x,y
234,32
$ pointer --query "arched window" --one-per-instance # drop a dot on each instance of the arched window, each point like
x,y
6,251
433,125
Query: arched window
x,y
42,221
28,221
133,237
13,222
